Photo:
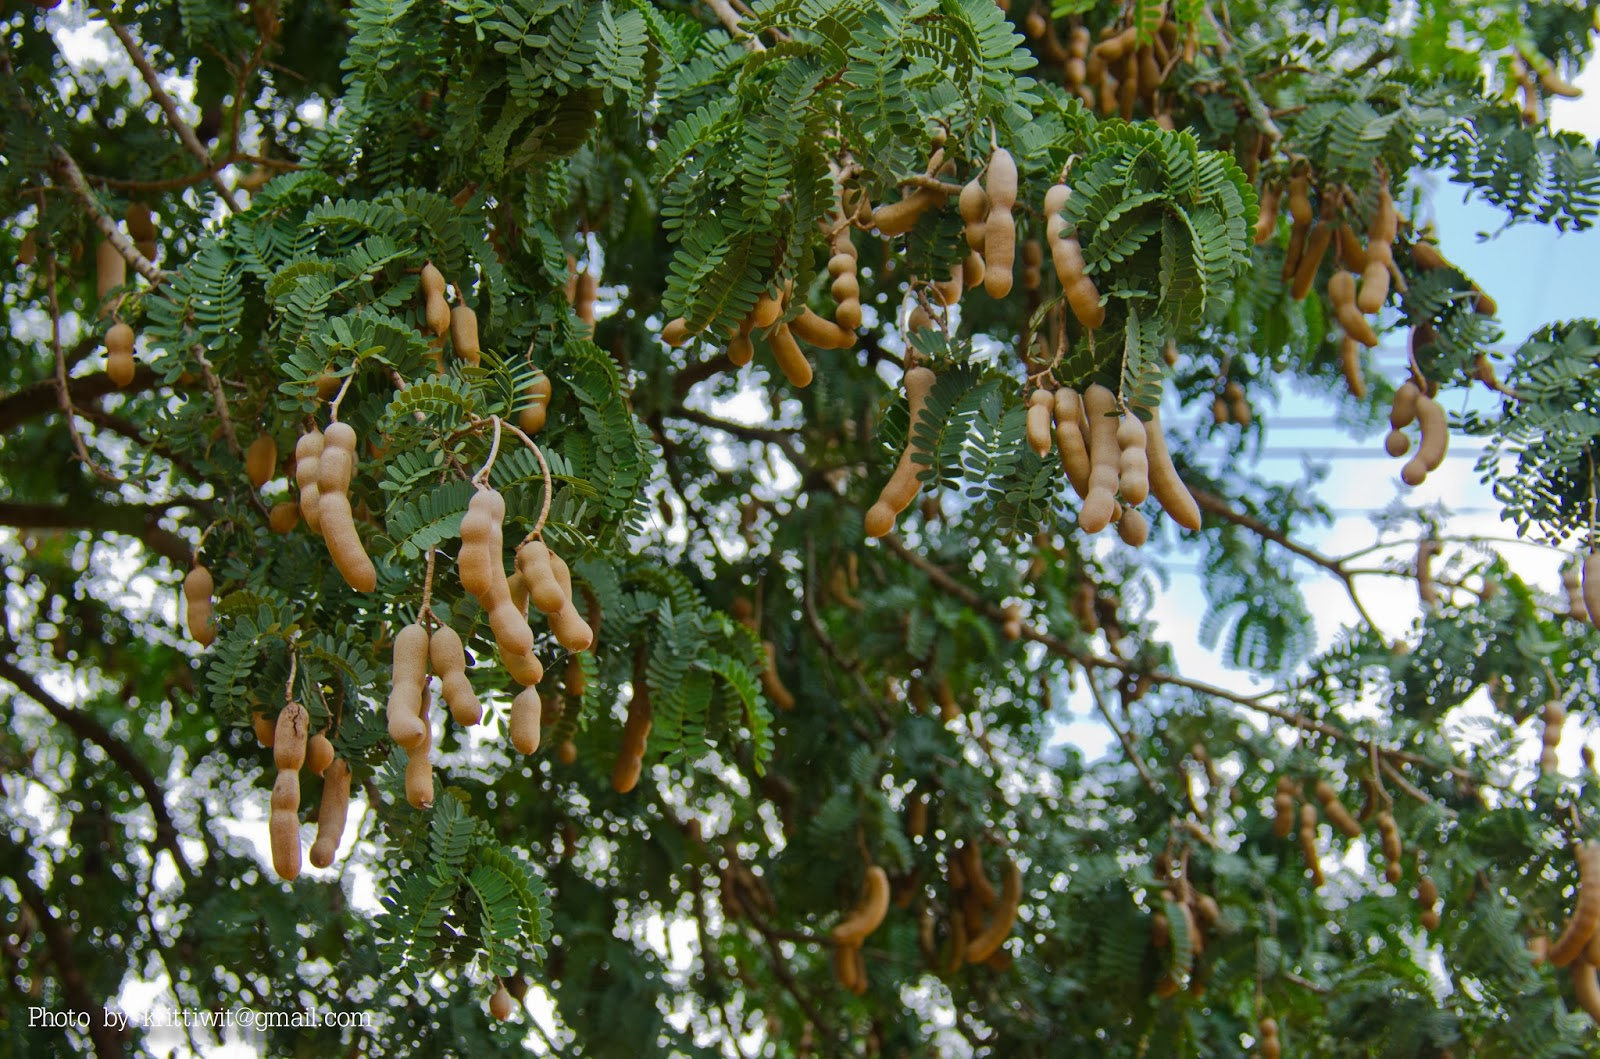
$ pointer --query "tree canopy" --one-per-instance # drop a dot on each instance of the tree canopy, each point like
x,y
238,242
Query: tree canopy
x,y
838,381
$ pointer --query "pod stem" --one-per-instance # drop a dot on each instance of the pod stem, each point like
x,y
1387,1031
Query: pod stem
x,y
426,610
333,409
481,479
544,472
288,685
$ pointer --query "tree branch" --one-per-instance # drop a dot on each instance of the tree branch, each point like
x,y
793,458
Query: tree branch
x,y
133,520
103,220
40,398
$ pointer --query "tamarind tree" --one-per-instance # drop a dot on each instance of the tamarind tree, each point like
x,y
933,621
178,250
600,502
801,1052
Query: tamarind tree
x,y
783,355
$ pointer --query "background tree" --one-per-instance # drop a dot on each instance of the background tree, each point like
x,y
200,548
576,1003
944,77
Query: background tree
x,y
821,723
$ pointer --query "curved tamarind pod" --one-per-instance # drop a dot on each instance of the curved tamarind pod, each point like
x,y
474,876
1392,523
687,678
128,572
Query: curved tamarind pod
x,y
419,766
1586,988
1032,258
1305,272
283,516
972,871
973,203
525,668
1117,46
407,680
1374,286
1557,85
1385,223
1435,440
307,470
1350,365
119,354
868,913
1591,586
1165,485
1267,218
793,363
449,658
1300,199
1402,413
842,264
844,966
903,485
1000,230
436,312
1133,466
334,472
1133,528
1427,592
1342,294
1308,843
464,334
319,753
820,332
544,590
767,310
1095,515
517,585
197,588
676,333
1040,404
1585,916
111,269
260,459
635,738
479,526
982,946
898,218
571,631
289,737
524,724
972,270
266,728
771,683
1352,255
332,812
1335,811
741,350
1067,256
432,280
1069,439
584,293
283,826
532,418
1283,823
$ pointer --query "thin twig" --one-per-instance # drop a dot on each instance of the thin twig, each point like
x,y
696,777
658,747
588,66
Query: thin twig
x,y
730,18
217,397
481,479
103,221
1124,738
544,472
63,394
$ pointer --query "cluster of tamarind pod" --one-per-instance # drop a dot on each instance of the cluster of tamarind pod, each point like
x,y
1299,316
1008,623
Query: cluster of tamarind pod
x,y
1535,78
1200,915
1578,945
1413,403
771,682
1581,579
293,748
1119,71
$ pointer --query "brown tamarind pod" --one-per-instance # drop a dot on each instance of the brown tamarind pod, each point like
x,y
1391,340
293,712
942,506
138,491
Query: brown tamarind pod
x,y
261,459
1342,294
432,281
1032,258
1572,582
1350,365
1083,297
1586,988
1402,413
741,350
1316,248
635,738
119,354
307,472
141,228
1000,229
111,269
868,913
1428,900
1041,403
973,203
501,1005
335,469
1267,218
820,332
1165,484
319,753
526,710
283,825
1308,843
532,418
984,944
1335,811
289,737
483,572
332,813
1427,591
898,218
408,679
1580,925
1300,229
1133,465
1117,46
767,310
1591,586
786,351
1101,504
449,659
676,333
464,334
585,291
1389,834
570,629
771,683
1133,528
1283,808
1435,440
904,484
1352,255
266,728
197,588
1374,286
283,516
436,311
1070,444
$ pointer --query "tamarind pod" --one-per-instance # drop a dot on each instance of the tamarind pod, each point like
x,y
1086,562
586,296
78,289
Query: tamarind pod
x,y
289,737
544,590
972,270
898,218
464,334
1580,926
338,520
845,286
1284,814
419,772
517,585
1350,365
307,470
1040,403
1426,256
1128,88
524,724
1116,46
432,281
999,249
319,753
740,349
1165,485
407,679
1352,255
823,333
790,360
1335,811
1069,439
512,634
973,203
120,368
525,668
771,683
842,263
1427,592
1341,292
1032,257
903,485
1385,223
501,1004
847,314
260,459
571,631
869,913
1374,286
1133,528
436,312
1435,440
972,871
844,966
449,659
1095,515
197,588
1427,892
1295,250
586,290
1591,586
283,516
1586,988
1308,844
1133,467
676,333
266,729
635,738
1267,218
1556,85
140,224
993,935
767,310
1316,249
332,812
532,418
283,826
111,269
948,291
1403,412
1300,198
